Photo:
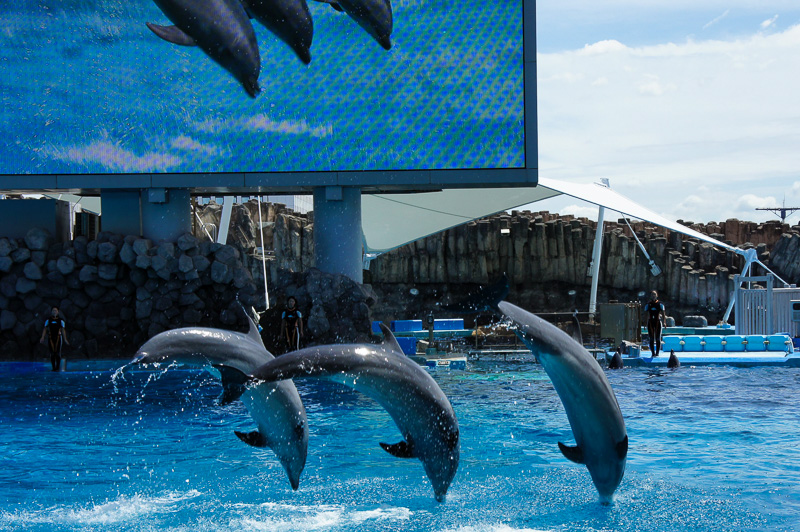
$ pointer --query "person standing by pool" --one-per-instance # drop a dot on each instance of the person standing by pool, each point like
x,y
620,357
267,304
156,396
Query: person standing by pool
x,y
656,318
292,324
55,330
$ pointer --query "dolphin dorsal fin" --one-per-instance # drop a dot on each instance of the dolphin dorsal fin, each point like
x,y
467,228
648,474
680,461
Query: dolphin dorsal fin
x,y
389,340
255,438
172,34
333,3
574,454
253,333
400,449
622,448
234,384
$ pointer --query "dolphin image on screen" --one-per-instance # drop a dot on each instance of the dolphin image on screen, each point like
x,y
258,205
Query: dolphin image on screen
x,y
274,406
402,387
289,20
374,16
221,28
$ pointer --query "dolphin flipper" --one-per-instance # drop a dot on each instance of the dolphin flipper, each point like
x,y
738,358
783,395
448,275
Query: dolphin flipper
x,y
172,34
255,438
622,448
400,449
234,384
574,454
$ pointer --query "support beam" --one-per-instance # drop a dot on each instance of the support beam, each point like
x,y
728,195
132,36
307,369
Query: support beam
x,y
121,212
166,213
595,267
225,219
337,231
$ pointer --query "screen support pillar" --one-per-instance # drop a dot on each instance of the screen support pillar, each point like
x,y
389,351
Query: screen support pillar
x,y
166,213
121,212
337,231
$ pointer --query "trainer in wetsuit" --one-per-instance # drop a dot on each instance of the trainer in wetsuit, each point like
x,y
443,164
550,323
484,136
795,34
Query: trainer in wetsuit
x,y
292,324
656,318
56,334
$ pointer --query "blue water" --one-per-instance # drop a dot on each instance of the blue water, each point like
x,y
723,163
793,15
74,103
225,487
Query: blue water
x,y
711,449
87,88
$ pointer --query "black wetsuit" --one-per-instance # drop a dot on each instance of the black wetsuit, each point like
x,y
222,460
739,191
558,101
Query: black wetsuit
x,y
654,309
55,340
292,318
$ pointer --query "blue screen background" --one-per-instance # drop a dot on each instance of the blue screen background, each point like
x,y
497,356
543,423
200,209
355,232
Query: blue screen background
x,y
87,88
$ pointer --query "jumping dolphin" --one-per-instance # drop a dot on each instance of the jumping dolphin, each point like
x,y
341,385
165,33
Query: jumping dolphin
x,y
409,394
289,20
375,16
275,407
221,29
589,401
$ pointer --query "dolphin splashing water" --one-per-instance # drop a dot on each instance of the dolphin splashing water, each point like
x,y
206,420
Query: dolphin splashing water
x,y
591,406
402,387
275,407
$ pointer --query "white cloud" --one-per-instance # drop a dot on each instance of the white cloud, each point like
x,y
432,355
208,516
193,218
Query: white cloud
x,y
769,22
113,157
189,144
263,123
603,47
727,118
751,201
714,21
652,86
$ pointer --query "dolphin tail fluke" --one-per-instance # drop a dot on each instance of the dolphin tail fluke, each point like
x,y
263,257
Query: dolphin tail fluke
x,y
255,438
172,34
234,384
573,454
483,299
398,450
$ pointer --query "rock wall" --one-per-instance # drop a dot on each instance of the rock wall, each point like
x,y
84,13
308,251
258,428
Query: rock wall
x,y
115,292
547,258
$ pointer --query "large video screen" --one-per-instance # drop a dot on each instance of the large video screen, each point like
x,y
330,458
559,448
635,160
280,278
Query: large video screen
x,y
199,86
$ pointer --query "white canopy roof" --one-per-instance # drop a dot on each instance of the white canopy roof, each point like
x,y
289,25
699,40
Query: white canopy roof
x,y
389,221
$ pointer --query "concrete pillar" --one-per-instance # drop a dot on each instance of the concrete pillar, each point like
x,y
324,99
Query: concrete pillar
x,y
121,212
166,213
337,231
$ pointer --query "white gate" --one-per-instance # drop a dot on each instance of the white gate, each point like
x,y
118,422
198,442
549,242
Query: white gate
x,y
765,310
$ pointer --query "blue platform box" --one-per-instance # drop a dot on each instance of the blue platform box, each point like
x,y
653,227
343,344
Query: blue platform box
x,y
692,343
408,344
376,327
714,343
448,325
734,343
779,342
755,342
406,325
672,343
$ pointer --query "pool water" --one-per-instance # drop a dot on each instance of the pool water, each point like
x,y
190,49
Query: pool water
x,y
710,449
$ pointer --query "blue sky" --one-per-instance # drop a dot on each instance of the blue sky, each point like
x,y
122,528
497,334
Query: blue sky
x,y
690,108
